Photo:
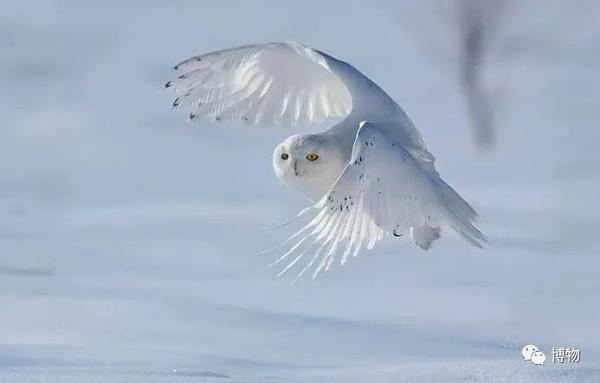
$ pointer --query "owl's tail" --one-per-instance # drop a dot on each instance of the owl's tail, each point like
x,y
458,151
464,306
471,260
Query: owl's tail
x,y
459,215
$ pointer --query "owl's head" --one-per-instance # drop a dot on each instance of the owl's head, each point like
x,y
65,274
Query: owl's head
x,y
309,163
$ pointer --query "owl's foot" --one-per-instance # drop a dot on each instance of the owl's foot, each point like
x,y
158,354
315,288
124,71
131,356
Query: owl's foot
x,y
423,236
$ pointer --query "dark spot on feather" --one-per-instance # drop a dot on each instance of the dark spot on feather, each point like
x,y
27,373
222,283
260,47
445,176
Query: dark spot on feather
x,y
198,59
192,116
176,103
181,77
168,84
217,118
397,232
176,67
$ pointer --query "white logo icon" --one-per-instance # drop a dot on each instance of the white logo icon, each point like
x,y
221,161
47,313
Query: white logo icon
x,y
538,358
533,354
528,351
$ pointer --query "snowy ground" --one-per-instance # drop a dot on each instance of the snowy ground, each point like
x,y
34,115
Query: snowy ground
x,y
128,238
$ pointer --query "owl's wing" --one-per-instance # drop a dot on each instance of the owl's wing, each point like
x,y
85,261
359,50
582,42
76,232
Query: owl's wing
x,y
275,83
383,190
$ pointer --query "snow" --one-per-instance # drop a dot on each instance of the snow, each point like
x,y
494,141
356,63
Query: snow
x,y
130,238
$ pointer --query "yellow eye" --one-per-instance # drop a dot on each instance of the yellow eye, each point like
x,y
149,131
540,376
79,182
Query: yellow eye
x,y
311,157
284,156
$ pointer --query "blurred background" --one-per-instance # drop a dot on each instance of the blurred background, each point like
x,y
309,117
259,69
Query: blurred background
x,y
129,237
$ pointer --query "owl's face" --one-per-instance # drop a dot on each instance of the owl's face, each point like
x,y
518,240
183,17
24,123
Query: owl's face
x,y
309,163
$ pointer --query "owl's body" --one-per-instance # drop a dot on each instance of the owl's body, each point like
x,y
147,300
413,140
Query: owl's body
x,y
311,164
369,175
334,148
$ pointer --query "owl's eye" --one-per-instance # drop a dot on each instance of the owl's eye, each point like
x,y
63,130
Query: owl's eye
x,y
284,156
311,157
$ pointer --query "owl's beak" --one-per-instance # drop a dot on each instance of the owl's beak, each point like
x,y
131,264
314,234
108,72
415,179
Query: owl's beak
x,y
296,169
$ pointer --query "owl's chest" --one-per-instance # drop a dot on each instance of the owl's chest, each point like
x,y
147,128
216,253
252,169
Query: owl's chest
x,y
314,183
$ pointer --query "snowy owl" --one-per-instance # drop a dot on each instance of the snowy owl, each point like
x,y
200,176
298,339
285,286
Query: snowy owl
x,y
369,175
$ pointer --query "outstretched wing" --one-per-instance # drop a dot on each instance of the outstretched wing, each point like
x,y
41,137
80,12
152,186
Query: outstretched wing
x,y
275,83
383,190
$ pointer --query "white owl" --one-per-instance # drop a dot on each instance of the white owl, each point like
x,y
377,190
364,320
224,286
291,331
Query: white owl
x,y
369,175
